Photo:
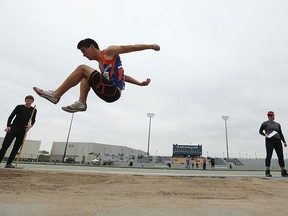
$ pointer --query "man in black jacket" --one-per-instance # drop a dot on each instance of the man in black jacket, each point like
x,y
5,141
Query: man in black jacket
x,y
23,121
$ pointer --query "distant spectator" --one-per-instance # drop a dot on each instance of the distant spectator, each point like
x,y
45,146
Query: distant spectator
x,y
204,164
188,162
212,163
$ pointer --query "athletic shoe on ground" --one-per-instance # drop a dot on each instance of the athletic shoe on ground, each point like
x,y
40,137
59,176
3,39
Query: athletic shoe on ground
x,y
284,173
76,107
9,166
49,95
267,173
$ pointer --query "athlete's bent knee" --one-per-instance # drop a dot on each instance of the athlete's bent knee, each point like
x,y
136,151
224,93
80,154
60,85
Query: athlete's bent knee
x,y
85,69
82,67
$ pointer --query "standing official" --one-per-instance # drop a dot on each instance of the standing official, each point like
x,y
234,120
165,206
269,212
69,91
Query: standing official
x,y
18,128
273,140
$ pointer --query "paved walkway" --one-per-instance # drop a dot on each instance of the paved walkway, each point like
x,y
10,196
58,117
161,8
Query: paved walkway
x,y
153,172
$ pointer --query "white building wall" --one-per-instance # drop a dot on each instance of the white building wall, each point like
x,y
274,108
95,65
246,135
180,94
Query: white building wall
x,y
80,150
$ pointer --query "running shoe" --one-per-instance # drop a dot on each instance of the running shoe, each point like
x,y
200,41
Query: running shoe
x,y
284,173
49,95
9,166
75,107
267,173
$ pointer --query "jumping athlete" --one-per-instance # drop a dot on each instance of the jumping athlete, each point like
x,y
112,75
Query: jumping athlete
x,y
107,85
273,137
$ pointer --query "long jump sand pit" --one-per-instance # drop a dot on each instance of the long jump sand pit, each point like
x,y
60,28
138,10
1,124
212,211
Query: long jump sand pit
x,y
44,192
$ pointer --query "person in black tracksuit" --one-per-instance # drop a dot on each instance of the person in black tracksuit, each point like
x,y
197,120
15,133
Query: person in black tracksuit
x,y
17,129
267,129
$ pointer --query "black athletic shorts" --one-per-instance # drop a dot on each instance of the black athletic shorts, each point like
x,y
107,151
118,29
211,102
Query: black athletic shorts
x,y
104,88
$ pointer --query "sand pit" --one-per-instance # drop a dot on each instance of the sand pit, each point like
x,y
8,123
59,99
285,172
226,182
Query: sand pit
x,y
42,192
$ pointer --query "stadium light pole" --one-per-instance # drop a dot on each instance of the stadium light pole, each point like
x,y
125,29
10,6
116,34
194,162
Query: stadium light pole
x,y
64,155
225,118
150,116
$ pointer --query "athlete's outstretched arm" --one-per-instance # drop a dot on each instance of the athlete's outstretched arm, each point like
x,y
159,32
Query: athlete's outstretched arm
x,y
136,82
113,51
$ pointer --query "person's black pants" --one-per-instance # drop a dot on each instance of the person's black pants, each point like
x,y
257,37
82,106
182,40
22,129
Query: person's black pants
x,y
17,133
273,143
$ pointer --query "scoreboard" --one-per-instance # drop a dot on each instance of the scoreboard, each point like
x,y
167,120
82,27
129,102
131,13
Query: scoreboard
x,y
185,150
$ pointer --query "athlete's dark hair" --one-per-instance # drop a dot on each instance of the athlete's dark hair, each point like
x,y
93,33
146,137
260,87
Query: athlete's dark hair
x,y
29,97
86,43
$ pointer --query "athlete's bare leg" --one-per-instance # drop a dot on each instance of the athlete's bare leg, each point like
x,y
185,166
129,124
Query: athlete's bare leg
x,y
81,74
84,90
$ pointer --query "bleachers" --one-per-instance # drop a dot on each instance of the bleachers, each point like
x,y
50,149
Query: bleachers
x,y
235,161
220,161
162,159
145,159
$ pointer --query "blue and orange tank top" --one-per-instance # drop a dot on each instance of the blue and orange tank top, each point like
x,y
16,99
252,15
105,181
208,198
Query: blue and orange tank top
x,y
112,70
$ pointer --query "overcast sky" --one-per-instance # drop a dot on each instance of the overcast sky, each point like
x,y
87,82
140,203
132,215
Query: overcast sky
x,y
217,58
